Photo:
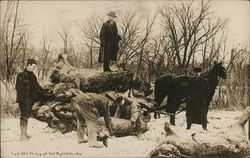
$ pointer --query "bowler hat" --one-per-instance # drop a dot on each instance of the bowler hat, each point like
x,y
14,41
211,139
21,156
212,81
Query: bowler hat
x,y
112,14
31,61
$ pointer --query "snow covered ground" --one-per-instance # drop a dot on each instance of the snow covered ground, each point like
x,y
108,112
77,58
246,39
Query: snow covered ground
x,y
46,142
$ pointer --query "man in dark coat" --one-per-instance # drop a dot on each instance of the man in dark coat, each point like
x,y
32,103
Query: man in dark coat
x,y
28,92
109,39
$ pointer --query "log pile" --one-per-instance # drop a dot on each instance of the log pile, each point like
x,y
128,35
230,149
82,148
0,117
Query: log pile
x,y
59,113
231,142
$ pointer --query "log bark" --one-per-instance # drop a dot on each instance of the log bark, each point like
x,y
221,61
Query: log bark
x,y
110,81
124,127
97,82
232,142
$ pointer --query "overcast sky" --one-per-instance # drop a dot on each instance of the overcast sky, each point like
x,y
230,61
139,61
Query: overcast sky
x,y
46,17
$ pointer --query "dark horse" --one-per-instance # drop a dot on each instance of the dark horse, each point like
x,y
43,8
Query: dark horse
x,y
187,89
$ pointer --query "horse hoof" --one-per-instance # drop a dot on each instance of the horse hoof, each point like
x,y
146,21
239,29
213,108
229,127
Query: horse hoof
x,y
204,128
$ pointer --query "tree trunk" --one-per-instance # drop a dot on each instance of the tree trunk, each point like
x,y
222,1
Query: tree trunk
x,y
106,81
231,142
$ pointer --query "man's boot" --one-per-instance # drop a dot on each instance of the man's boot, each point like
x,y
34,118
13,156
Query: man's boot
x,y
26,127
92,135
23,128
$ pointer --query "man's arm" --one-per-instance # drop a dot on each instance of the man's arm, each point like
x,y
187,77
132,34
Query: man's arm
x,y
41,92
107,118
134,111
18,83
37,85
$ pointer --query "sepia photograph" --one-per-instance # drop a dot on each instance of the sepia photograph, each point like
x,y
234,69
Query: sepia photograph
x,y
124,78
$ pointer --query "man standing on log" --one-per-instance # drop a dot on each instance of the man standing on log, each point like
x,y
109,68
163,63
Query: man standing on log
x,y
28,92
88,107
109,39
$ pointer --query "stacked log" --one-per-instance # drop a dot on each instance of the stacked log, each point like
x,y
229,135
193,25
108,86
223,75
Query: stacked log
x,y
59,113
112,81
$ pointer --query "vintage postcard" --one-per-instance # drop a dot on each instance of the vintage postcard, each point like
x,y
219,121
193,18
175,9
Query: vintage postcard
x,y
124,78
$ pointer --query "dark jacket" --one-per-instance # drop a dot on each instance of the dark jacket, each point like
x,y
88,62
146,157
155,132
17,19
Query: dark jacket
x,y
28,89
109,41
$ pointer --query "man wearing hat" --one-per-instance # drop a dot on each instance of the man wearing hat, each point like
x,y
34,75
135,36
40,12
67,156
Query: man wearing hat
x,y
109,39
28,92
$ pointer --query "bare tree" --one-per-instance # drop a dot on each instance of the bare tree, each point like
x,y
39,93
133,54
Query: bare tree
x,y
90,36
66,38
160,59
14,40
213,49
45,57
129,31
189,28
68,46
135,40
24,50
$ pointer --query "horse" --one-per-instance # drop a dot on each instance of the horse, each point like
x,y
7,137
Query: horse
x,y
179,89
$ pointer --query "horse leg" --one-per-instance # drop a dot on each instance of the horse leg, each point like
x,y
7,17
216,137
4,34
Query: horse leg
x,y
189,116
155,115
172,120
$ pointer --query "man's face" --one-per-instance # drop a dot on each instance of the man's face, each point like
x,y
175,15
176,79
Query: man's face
x,y
31,67
111,18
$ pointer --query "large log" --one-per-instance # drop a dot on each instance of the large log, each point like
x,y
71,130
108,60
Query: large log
x,y
232,142
124,127
97,82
